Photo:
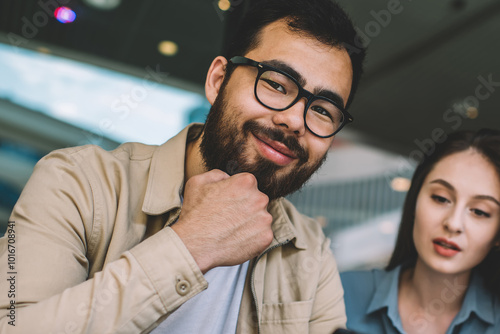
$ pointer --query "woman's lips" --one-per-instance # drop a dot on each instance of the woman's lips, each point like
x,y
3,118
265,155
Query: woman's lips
x,y
275,151
445,247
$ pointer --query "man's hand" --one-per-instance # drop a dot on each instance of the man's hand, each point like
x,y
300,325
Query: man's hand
x,y
224,219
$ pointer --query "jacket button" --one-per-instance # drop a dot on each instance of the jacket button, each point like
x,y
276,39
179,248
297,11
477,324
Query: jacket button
x,y
182,287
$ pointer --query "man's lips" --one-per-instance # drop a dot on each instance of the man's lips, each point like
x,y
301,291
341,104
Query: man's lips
x,y
446,244
277,146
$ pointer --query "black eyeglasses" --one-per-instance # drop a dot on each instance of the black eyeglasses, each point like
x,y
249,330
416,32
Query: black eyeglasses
x,y
278,90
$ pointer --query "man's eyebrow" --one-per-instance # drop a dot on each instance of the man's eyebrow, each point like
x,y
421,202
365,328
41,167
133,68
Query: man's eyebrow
x,y
449,186
302,81
286,68
330,95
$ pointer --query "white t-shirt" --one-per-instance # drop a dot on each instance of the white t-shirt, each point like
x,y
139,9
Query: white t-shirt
x,y
214,310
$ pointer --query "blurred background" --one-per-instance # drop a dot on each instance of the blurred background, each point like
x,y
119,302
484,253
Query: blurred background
x,y
103,72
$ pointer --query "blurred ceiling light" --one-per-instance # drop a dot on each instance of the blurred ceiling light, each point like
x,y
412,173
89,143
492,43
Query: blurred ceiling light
x,y
401,184
103,4
224,4
466,107
168,48
472,112
43,49
64,14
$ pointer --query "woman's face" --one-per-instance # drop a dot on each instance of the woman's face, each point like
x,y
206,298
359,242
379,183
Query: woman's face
x,y
457,213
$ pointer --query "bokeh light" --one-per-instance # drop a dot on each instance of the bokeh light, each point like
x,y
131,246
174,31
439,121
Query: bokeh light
x,y
64,15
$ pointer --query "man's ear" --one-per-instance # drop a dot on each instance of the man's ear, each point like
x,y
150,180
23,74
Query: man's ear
x,y
215,77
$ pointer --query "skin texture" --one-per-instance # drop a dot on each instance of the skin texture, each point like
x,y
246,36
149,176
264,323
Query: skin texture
x,y
224,219
459,203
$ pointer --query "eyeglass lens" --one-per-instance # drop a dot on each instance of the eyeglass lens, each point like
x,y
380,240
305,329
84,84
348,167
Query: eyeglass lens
x,y
278,91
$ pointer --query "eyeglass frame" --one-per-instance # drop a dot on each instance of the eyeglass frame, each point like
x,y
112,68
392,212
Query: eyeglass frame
x,y
310,97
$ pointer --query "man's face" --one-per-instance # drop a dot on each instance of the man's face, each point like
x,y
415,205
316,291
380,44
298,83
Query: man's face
x,y
241,135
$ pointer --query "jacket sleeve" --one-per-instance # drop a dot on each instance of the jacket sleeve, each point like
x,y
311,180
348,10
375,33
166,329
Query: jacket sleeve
x,y
44,255
328,311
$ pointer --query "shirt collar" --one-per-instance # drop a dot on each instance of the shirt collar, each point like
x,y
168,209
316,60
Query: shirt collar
x,y
478,301
166,180
386,296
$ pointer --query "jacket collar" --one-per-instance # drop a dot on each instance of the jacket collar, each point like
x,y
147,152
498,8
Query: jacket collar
x,y
283,228
166,182
166,176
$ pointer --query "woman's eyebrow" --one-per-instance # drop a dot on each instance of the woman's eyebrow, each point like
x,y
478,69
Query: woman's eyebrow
x,y
488,197
449,186
443,183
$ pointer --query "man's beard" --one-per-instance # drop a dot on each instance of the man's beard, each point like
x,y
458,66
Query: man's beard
x,y
223,147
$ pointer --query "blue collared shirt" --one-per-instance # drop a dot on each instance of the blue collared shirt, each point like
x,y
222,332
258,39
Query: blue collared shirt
x,y
371,299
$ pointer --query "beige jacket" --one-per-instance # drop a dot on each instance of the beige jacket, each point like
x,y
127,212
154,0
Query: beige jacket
x,y
94,252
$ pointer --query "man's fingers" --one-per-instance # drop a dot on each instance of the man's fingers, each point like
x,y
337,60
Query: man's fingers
x,y
215,175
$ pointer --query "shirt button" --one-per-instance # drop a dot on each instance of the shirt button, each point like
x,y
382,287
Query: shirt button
x,y
182,287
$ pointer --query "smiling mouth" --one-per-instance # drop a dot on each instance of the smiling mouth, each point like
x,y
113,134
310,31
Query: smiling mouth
x,y
277,146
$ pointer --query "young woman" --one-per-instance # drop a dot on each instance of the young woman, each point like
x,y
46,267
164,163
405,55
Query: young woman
x,y
444,274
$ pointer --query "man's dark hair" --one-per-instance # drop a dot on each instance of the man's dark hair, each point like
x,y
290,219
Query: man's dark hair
x,y
321,19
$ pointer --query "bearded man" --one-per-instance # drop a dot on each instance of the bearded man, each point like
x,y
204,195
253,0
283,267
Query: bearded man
x,y
194,236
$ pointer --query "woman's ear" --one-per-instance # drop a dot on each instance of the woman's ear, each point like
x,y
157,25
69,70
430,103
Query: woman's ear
x,y
215,77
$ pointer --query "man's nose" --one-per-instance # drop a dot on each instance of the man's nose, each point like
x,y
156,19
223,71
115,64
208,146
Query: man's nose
x,y
292,119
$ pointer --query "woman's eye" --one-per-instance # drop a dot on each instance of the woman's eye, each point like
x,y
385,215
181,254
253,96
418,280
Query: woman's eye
x,y
440,199
275,86
481,213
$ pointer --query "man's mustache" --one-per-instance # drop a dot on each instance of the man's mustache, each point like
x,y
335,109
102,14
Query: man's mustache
x,y
277,135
